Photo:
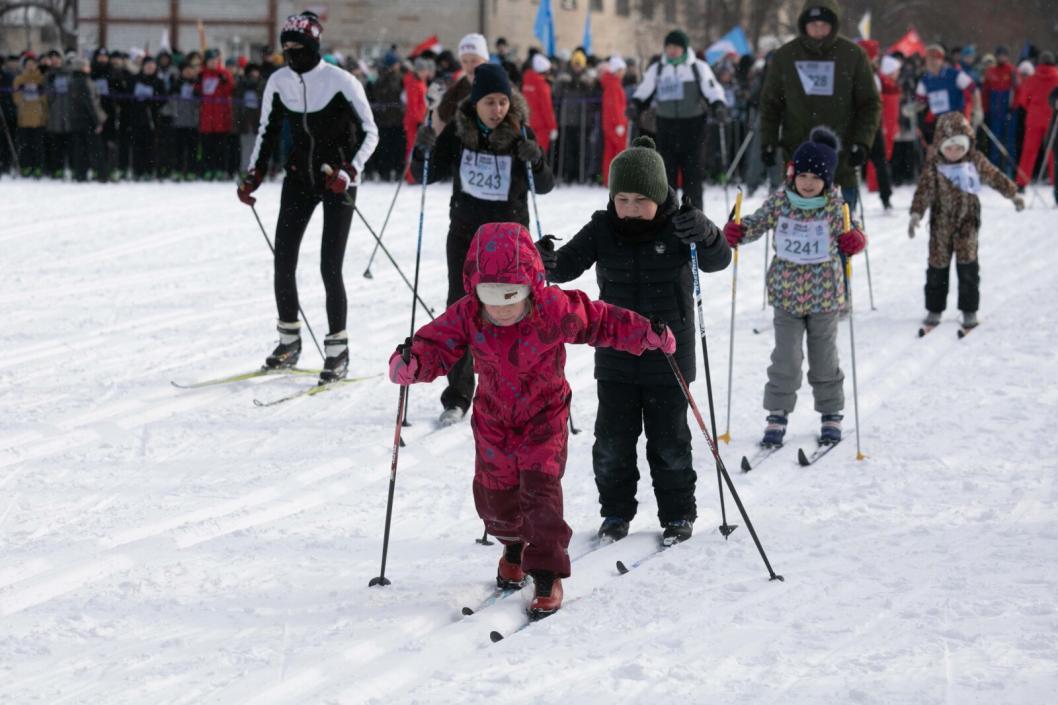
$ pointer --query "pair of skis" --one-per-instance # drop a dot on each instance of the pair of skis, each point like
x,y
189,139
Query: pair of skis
x,y
502,594
803,459
927,328
270,372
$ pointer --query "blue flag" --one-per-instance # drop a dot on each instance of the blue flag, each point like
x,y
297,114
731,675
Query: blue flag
x,y
734,42
586,40
544,27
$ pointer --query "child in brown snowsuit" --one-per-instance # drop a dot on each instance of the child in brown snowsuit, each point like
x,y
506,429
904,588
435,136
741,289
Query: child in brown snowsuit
x,y
951,179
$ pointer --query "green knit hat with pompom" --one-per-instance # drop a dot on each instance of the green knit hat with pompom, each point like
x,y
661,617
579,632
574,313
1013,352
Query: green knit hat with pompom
x,y
640,169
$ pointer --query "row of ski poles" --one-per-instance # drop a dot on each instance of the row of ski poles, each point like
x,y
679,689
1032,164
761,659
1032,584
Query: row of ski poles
x,y
723,476
725,528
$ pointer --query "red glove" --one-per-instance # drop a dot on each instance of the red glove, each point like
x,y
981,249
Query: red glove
x,y
852,242
734,232
249,184
340,180
665,342
400,372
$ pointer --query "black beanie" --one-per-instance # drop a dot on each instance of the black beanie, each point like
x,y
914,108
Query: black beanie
x,y
489,78
304,29
819,155
817,13
677,37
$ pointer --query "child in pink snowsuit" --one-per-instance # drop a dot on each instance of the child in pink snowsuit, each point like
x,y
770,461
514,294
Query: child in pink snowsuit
x,y
517,327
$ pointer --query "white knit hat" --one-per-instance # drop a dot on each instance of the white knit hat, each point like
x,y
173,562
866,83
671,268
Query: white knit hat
x,y
617,64
541,64
474,44
956,140
1025,68
890,65
500,294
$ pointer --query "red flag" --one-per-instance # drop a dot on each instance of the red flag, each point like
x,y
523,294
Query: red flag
x,y
430,43
909,44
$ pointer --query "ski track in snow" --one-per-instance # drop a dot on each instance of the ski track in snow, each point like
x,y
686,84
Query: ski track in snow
x,y
182,546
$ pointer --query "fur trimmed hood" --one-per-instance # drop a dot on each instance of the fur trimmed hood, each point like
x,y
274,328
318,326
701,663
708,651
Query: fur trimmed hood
x,y
504,137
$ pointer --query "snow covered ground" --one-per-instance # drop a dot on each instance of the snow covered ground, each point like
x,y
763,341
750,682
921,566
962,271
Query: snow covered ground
x,y
168,546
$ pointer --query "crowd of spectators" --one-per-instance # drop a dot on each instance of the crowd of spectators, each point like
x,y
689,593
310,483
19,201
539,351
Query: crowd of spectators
x,y
172,116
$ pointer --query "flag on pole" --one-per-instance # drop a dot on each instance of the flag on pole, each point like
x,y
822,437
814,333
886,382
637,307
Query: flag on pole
x,y
431,43
734,42
909,44
544,27
865,25
586,40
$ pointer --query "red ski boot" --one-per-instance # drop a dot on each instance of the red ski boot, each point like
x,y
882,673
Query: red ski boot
x,y
548,595
509,575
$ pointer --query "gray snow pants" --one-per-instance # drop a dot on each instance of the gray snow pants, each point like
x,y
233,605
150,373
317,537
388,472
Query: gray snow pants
x,y
824,374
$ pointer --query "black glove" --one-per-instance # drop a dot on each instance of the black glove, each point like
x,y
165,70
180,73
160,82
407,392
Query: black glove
x,y
720,111
691,226
767,154
633,109
425,138
529,151
857,156
546,247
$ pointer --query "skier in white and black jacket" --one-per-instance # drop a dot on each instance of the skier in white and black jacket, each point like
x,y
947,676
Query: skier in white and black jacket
x,y
684,89
332,125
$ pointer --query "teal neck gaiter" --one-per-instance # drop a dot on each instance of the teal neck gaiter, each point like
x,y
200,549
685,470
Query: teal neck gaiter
x,y
805,204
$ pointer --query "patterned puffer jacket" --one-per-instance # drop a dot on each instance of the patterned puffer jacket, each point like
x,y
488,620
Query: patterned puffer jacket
x,y
805,275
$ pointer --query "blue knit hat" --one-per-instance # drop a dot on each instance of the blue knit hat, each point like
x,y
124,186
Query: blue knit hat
x,y
489,78
819,155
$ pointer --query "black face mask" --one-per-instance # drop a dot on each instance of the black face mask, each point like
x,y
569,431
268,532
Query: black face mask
x,y
634,229
301,60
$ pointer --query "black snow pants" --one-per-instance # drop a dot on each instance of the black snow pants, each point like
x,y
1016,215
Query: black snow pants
x,y
681,144
624,411
969,275
297,204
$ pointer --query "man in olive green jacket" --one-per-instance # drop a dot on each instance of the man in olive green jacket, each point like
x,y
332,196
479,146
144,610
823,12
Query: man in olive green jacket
x,y
821,78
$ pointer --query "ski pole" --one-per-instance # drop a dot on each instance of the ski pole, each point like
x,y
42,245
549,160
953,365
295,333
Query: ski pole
x,y
403,399
1046,156
300,310
866,250
1017,168
484,540
726,437
725,528
659,328
379,245
738,155
846,268
382,232
328,170
764,296
540,236
10,143
532,190
723,158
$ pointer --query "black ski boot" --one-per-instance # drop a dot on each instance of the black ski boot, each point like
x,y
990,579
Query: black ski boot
x,y
335,367
288,351
677,531
612,529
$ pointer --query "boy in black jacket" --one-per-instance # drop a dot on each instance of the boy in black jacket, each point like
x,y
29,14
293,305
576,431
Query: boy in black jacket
x,y
641,248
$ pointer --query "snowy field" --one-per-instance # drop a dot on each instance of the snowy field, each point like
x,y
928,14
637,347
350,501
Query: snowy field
x,y
162,546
